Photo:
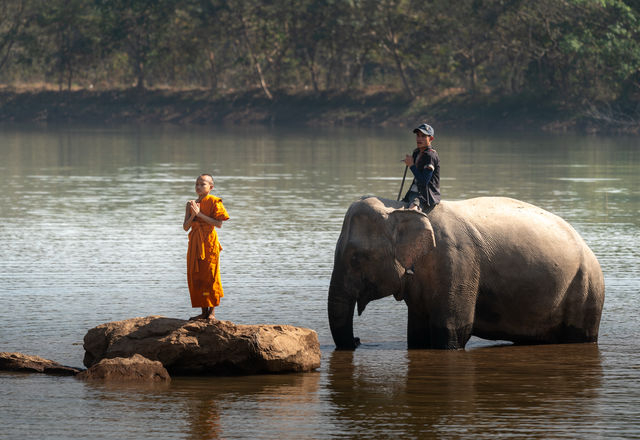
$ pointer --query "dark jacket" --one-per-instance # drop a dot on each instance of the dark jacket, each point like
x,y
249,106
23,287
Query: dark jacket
x,y
426,179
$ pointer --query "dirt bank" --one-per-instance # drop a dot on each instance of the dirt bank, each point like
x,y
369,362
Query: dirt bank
x,y
201,107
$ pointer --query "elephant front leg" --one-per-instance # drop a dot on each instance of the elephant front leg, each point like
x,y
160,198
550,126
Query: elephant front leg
x,y
422,333
418,331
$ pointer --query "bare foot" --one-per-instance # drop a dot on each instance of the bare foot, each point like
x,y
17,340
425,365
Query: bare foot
x,y
195,318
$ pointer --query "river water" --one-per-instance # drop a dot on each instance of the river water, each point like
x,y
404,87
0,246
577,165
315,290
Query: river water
x,y
91,232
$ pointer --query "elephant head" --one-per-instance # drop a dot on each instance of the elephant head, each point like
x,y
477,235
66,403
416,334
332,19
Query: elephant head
x,y
379,241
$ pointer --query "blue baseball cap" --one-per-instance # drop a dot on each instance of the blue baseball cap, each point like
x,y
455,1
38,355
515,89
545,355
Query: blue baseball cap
x,y
425,129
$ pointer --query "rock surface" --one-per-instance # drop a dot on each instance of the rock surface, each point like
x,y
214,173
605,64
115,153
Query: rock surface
x,y
136,367
33,364
203,348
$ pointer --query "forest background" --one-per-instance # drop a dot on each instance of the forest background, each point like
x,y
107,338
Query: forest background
x,y
554,64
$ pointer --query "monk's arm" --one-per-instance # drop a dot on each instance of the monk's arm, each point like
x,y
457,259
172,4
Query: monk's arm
x,y
188,217
210,220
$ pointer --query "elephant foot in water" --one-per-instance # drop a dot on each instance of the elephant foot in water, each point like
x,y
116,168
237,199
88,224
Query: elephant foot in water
x,y
421,335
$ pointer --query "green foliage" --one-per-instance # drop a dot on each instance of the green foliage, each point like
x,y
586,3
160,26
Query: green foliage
x,y
576,51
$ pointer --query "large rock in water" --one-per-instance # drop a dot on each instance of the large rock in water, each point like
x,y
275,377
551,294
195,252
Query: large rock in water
x,y
203,348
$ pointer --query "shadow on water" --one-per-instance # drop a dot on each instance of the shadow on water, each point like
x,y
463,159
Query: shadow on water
x,y
461,393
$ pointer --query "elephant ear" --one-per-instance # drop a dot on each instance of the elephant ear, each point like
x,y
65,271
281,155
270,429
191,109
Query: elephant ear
x,y
413,235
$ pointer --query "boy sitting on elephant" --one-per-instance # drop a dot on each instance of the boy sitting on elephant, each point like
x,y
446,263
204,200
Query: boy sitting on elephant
x,y
424,163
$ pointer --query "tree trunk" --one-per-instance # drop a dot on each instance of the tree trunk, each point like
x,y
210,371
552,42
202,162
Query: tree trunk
x,y
140,75
69,76
400,68
137,51
254,59
393,40
312,70
472,72
213,78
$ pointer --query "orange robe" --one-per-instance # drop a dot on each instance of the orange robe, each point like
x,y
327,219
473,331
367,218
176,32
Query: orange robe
x,y
203,256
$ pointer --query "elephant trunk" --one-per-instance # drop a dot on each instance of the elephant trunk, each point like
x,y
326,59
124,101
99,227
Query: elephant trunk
x,y
341,307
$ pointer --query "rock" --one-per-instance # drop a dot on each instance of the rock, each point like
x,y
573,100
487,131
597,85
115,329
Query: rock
x,y
203,348
34,364
136,367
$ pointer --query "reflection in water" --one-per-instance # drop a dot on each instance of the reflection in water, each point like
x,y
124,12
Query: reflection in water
x,y
273,406
255,407
480,392
204,419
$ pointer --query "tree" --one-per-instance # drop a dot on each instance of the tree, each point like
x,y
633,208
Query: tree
x,y
137,27
394,19
209,36
14,18
253,31
68,36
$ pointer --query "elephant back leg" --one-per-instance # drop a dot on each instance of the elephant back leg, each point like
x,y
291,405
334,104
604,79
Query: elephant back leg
x,y
582,308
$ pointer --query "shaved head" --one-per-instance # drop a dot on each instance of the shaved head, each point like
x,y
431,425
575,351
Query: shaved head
x,y
207,177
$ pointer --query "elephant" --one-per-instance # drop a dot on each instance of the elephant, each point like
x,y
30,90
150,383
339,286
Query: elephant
x,y
492,267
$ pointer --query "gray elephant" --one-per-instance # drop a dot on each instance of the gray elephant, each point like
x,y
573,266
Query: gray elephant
x,y
492,267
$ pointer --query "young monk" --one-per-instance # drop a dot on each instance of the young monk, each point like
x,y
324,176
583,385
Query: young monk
x,y
202,216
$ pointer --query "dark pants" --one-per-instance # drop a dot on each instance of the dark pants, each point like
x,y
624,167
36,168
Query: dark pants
x,y
413,197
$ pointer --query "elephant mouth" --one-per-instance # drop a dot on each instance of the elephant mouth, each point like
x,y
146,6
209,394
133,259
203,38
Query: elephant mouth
x,y
405,281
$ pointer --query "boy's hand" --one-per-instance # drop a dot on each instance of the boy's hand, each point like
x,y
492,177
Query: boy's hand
x,y
195,207
408,160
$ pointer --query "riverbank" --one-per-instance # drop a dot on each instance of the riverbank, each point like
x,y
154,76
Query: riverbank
x,y
373,108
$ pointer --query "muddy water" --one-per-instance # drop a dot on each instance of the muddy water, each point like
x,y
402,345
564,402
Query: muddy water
x,y
91,232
